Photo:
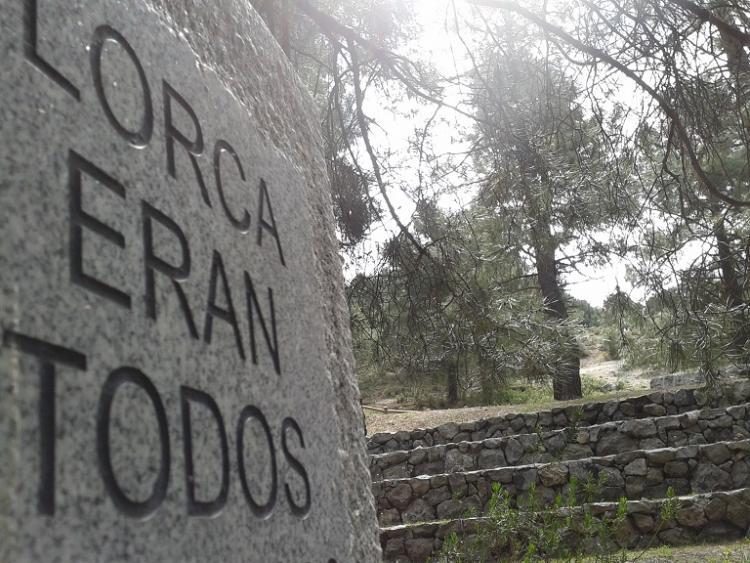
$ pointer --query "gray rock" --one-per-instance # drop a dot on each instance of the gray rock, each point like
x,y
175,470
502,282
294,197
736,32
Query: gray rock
x,y
402,436
636,467
394,547
389,517
660,456
676,469
396,472
688,452
610,407
417,456
654,476
708,478
611,477
715,532
654,410
644,522
634,486
451,508
457,483
419,549
625,534
513,451
400,495
553,474
418,511
737,512
448,430
684,398
438,495
689,419
420,485
716,509
691,516
524,478
737,412
639,428
491,458
556,442
650,444
577,451
724,421
456,461
124,335
668,423
613,443
717,453
740,474
517,423
675,536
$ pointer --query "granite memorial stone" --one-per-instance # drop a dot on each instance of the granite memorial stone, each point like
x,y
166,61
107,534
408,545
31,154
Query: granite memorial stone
x,y
175,369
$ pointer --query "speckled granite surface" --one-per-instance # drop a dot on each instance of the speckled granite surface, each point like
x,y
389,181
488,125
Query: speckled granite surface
x,y
175,369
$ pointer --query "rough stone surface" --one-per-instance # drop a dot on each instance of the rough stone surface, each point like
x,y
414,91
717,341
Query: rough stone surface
x,y
683,405
691,525
225,65
615,442
553,475
635,474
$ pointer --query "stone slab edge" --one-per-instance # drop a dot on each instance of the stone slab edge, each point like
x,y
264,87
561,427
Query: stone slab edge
x,y
228,37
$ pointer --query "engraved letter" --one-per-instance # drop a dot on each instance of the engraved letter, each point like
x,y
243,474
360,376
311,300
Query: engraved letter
x,y
227,315
30,22
197,507
132,508
271,338
155,264
142,136
263,224
80,219
48,355
194,148
300,510
221,146
260,510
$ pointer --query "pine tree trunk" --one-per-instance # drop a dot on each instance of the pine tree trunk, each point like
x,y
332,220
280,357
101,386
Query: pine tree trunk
x,y
451,374
731,287
485,379
566,381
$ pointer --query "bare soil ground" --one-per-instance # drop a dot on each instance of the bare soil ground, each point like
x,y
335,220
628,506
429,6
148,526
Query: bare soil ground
x,y
737,552
629,383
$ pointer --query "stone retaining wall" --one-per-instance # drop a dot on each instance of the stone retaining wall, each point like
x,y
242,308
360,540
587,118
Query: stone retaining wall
x,y
690,428
715,517
635,474
655,404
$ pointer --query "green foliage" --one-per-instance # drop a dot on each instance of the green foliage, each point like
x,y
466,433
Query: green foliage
x,y
534,530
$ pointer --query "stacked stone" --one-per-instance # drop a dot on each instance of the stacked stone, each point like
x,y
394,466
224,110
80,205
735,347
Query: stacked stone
x,y
695,443
658,403
690,428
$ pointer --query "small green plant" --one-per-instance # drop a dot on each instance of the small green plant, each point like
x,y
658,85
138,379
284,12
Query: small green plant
x,y
533,531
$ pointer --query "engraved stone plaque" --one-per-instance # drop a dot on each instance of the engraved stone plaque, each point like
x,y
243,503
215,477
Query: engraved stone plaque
x,y
175,373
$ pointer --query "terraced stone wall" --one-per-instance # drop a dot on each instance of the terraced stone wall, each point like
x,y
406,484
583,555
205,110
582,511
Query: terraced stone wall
x,y
659,403
634,474
690,428
715,517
